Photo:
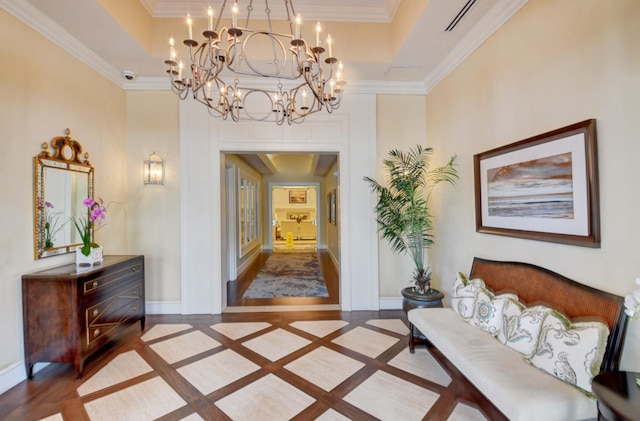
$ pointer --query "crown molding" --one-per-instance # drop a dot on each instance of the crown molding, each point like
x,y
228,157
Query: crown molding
x,y
501,12
41,23
328,12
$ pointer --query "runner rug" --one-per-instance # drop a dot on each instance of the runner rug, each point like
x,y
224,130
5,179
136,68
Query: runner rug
x,y
289,273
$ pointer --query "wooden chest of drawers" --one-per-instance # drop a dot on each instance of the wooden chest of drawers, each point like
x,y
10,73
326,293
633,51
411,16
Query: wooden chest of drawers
x,y
70,312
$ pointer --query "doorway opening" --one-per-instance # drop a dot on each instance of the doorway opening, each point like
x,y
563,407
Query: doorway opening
x,y
295,223
293,218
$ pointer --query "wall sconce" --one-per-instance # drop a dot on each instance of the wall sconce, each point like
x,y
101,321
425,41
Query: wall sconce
x,y
153,170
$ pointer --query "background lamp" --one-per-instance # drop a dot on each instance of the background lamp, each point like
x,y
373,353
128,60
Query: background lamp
x,y
153,170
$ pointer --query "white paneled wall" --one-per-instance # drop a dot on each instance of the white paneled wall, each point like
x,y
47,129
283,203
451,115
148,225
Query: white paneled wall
x,y
351,132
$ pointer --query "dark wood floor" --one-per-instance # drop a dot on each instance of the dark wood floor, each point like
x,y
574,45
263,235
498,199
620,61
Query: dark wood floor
x,y
53,389
329,272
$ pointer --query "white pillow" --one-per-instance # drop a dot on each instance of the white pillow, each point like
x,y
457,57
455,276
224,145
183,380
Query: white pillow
x,y
521,326
464,295
489,309
571,352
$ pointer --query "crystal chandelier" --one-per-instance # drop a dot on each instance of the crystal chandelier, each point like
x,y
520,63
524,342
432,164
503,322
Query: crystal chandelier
x,y
228,70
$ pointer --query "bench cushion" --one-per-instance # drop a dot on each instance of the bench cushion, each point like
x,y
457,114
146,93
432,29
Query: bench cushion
x,y
519,390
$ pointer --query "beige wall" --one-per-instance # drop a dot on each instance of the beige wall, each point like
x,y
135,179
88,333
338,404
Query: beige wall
x,y
400,125
153,211
554,63
35,106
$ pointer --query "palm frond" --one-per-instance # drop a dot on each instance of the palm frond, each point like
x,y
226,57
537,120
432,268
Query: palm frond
x,y
402,209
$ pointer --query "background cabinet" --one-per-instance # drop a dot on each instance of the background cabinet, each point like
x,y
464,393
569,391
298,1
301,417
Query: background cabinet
x,y
70,312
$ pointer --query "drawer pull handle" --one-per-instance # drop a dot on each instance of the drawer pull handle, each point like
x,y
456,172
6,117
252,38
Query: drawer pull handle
x,y
134,292
133,269
96,332
95,284
95,312
135,308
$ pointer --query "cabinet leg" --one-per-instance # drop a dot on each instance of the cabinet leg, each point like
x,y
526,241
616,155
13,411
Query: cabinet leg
x,y
29,367
142,320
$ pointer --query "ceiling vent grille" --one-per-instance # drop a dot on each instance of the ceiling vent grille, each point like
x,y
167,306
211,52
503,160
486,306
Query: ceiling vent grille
x,y
461,14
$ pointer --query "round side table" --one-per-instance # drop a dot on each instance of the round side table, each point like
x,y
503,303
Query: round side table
x,y
618,395
412,300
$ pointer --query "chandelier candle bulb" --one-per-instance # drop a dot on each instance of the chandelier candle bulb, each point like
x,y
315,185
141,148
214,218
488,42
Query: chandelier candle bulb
x,y
329,43
234,15
298,23
318,30
180,65
171,53
210,20
304,100
190,26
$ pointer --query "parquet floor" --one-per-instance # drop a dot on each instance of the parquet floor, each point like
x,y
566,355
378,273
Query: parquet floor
x,y
299,365
325,365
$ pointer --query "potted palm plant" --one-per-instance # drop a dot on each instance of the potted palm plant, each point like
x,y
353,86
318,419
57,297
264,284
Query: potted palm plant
x,y
403,214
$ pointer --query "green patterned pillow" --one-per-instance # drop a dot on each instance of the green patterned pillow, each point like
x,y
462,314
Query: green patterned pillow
x,y
489,310
572,352
464,295
521,326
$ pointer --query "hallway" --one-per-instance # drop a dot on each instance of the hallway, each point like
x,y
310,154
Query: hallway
x,y
236,289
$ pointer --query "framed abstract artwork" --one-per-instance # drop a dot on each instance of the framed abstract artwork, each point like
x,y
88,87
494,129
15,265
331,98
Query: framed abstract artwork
x,y
542,188
297,196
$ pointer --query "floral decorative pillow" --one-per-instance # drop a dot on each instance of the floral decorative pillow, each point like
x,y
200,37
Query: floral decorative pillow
x,y
521,326
464,295
488,310
571,352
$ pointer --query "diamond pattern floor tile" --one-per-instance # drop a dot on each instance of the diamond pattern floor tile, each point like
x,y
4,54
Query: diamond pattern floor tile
x,y
240,329
464,412
147,400
320,328
421,364
158,331
276,344
123,367
184,346
390,398
217,371
54,417
324,367
268,398
392,325
366,342
332,415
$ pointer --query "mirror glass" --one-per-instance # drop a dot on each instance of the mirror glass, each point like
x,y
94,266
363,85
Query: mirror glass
x,y
62,181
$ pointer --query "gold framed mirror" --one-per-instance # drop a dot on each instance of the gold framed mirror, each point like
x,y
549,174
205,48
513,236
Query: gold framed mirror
x,y
63,178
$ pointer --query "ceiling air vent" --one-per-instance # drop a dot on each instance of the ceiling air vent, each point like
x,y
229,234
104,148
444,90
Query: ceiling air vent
x,y
461,14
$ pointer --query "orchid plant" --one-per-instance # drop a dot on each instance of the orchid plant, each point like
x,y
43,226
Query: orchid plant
x,y
632,303
52,225
96,213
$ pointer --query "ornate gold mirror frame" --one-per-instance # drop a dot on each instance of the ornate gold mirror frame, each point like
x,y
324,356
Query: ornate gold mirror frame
x,y
63,178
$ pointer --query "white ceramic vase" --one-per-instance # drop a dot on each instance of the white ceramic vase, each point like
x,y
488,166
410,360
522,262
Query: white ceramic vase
x,y
94,258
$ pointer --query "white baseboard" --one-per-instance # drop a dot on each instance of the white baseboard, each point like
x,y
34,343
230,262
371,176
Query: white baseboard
x,y
390,303
16,373
11,376
163,307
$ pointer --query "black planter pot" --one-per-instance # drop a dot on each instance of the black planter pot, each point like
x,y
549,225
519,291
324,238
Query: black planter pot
x,y
411,299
